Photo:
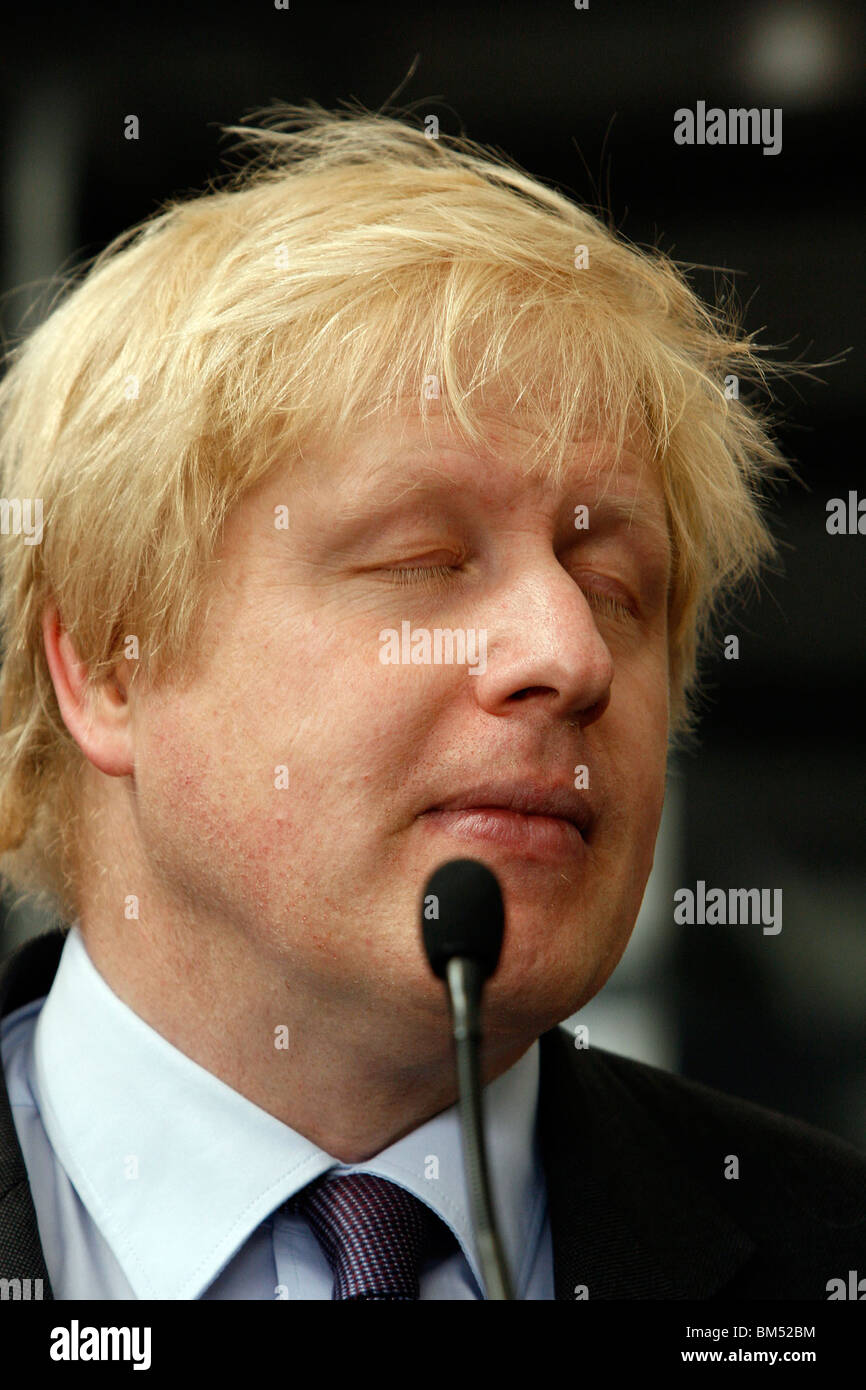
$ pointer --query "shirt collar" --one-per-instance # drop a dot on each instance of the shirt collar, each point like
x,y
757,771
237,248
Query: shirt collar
x,y
177,1169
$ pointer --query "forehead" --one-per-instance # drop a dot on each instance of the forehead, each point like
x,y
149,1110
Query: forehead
x,y
404,457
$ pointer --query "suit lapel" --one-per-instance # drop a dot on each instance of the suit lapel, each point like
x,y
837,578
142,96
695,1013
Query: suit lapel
x,y
27,975
628,1218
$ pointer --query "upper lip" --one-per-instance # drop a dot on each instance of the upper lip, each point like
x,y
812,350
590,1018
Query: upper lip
x,y
530,798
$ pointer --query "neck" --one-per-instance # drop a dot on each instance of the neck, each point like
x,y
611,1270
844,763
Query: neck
x,y
350,1077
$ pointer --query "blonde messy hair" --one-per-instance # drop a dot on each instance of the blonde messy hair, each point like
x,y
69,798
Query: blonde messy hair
x,y
348,260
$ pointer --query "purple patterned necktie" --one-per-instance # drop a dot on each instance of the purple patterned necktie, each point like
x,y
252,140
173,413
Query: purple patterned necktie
x,y
370,1231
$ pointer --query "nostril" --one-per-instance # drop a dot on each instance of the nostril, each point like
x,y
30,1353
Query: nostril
x,y
531,690
593,712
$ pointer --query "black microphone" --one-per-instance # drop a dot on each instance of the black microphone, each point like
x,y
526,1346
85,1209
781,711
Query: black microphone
x,y
462,922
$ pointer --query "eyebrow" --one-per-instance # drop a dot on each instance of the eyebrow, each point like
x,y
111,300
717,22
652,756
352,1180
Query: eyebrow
x,y
633,510
429,478
426,480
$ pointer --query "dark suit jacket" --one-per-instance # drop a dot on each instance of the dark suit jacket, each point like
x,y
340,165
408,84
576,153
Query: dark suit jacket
x,y
634,1160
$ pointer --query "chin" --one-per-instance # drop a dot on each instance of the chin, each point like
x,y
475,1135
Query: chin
x,y
531,1008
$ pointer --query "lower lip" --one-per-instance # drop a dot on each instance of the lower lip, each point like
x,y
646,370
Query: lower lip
x,y
535,837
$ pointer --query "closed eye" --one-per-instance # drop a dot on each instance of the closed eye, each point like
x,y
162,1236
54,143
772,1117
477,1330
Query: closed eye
x,y
433,575
607,604
422,574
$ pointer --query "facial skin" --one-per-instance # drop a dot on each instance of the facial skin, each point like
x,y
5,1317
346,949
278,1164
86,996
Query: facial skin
x,y
261,906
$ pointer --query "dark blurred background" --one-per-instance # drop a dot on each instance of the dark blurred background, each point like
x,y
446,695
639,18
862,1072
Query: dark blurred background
x,y
772,795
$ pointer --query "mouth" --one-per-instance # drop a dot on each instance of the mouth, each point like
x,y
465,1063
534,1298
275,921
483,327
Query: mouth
x,y
545,825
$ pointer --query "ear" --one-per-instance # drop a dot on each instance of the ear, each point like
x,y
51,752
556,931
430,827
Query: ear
x,y
99,718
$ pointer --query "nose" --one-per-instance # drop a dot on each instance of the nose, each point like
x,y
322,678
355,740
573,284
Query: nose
x,y
544,645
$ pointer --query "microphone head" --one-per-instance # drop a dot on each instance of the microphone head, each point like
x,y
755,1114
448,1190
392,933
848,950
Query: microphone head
x,y
462,914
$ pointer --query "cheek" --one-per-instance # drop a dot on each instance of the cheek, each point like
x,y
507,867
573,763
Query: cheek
x,y
635,755
287,764
179,776
647,719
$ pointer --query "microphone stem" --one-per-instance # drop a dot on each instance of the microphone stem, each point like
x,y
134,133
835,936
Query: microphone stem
x,y
465,982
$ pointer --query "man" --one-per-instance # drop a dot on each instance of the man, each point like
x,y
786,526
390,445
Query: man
x,y
376,389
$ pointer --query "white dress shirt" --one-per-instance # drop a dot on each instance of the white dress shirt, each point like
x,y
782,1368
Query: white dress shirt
x,y
153,1179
